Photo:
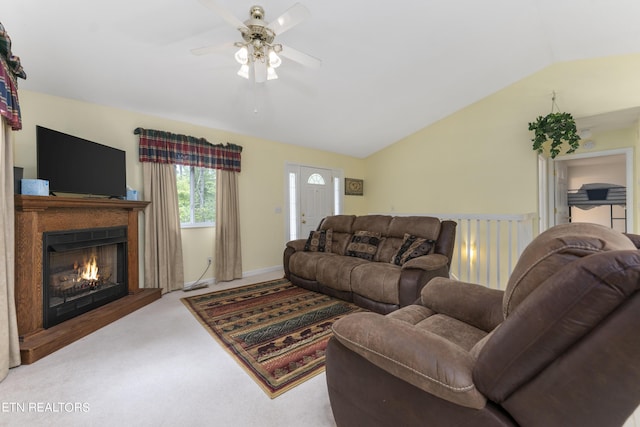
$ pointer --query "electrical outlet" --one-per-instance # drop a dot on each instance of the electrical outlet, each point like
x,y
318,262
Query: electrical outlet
x,y
209,260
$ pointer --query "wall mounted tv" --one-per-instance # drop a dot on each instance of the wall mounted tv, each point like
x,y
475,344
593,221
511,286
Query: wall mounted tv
x,y
76,165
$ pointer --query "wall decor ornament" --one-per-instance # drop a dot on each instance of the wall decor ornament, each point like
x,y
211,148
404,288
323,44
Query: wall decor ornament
x,y
556,127
353,187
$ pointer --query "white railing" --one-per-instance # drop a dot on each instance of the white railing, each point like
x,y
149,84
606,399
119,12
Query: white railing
x,y
488,246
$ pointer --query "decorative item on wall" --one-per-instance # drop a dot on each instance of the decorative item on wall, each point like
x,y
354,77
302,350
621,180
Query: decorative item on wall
x,y
353,187
556,127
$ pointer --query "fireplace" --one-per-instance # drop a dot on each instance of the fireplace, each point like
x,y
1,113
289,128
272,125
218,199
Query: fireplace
x,y
82,270
59,231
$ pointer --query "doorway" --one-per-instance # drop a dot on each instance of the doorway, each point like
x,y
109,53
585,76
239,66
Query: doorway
x,y
571,180
312,193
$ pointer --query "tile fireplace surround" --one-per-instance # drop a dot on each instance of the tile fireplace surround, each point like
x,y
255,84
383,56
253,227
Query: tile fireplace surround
x,y
36,215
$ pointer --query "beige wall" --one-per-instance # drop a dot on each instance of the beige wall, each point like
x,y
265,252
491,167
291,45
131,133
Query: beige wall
x,y
480,160
261,180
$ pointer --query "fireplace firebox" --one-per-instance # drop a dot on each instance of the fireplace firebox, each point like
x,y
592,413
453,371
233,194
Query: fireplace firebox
x,y
82,270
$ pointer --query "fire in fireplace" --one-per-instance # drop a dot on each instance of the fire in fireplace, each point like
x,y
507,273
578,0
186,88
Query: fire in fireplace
x,y
82,270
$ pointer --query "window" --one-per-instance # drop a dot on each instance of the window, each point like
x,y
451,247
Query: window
x,y
316,179
293,206
196,196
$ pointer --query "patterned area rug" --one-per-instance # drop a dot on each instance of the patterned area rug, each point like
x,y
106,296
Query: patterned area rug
x,y
277,331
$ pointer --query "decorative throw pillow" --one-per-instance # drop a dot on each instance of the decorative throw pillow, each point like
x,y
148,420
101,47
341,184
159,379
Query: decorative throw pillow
x,y
412,247
319,241
364,244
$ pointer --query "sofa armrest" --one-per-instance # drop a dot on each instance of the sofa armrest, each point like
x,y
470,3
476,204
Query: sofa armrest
x,y
414,355
635,238
470,303
291,247
297,245
418,272
427,262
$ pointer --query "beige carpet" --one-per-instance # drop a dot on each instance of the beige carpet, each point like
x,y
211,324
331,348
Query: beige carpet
x,y
156,367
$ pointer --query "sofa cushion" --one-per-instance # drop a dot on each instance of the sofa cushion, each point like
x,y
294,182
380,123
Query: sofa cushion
x,y
375,223
552,250
335,272
341,225
340,243
319,241
421,226
377,281
454,330
412,247
394,345
364,244
305,264
338,223
387,249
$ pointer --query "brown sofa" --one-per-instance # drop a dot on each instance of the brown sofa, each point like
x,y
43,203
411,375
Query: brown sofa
x,y
559,347
363,258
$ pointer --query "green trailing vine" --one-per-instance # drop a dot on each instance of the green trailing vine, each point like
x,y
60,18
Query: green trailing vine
x,y
557,128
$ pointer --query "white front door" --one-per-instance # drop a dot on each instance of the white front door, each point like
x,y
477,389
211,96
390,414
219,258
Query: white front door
x,y
316,198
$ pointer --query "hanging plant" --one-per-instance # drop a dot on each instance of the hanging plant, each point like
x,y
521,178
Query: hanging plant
x,y
557,128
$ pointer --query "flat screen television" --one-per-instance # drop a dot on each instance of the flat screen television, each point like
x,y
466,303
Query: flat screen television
x,y
76,165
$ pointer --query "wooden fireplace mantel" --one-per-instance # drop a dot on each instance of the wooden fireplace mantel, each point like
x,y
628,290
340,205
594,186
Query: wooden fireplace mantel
x,y
35,215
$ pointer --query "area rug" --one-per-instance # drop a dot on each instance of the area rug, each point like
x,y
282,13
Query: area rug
x,y
278,332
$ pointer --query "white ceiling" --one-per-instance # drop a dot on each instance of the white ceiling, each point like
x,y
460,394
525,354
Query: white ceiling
x,y
389,68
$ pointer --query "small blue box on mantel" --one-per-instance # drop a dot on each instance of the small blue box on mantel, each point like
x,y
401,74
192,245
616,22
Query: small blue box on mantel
x,y
132,194
35,187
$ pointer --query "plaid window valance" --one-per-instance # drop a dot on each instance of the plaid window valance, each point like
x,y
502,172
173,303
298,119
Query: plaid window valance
x,y
165,147
10,70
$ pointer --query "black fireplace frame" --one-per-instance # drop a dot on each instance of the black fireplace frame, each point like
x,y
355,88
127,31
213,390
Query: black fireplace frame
x,y
67,240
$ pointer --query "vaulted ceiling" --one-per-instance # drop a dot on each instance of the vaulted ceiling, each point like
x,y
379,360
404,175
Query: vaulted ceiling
x,y
388,68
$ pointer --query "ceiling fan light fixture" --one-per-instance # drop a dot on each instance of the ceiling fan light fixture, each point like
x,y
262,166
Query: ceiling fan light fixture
x,y
244,71
242,55
257,53
274,59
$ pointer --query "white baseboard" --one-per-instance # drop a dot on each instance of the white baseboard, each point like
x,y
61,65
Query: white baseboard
x,y
262,271
250,273
209,281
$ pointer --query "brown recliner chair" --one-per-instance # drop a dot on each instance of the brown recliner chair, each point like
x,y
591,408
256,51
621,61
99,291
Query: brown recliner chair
x,y
559,347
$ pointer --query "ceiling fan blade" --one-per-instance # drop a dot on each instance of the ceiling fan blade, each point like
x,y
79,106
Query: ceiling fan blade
x,y
290,18
302,58
211,49
224,13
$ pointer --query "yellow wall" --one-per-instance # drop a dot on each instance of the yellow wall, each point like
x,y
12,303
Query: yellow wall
x,y
480,160
261,180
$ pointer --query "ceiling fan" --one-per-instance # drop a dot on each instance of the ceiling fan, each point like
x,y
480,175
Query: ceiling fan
x,y
258,54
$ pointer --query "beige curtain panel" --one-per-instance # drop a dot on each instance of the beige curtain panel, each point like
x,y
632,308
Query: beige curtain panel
x,y
163,266
9,344
10,118
228,254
